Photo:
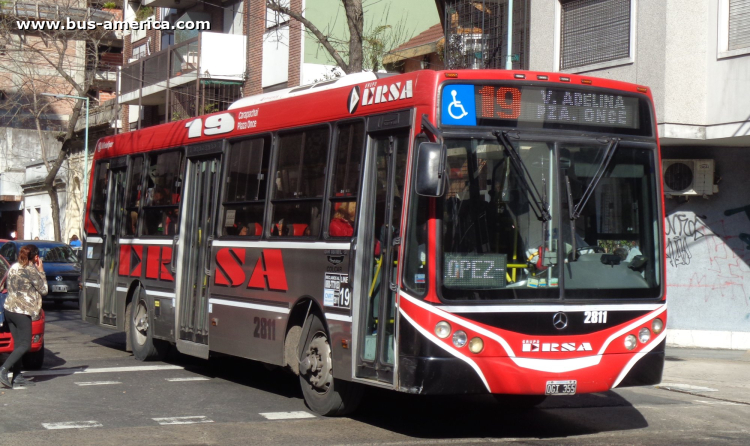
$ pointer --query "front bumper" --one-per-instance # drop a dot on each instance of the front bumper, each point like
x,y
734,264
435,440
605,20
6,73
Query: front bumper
x,y
37,331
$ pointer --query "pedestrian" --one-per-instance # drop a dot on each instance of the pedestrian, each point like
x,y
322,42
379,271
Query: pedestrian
x,y
74,242
26,285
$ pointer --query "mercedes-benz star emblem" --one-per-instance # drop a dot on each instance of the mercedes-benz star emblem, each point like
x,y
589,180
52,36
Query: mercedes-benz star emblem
x,y
560,320
59,278
353,101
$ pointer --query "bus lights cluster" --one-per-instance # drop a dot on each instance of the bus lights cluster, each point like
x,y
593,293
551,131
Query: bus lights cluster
x,y
644,334
443,330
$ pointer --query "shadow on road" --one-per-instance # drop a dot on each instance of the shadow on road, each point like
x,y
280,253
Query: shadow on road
x,y
482,416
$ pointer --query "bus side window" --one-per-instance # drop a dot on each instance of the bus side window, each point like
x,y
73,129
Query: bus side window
x,y
346,179
299,183
164,183
133,199
246,182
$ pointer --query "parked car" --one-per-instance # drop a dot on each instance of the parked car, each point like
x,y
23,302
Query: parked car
x,y
35,357
61,265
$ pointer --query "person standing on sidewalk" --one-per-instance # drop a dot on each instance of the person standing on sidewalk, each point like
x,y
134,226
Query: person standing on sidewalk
x,y
26,286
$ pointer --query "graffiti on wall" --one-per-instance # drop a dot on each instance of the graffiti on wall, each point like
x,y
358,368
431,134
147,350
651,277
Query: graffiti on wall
x,y
714,259
682,230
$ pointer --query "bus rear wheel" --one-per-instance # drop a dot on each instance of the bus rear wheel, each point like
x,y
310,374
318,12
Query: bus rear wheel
x,y
324,394
145,347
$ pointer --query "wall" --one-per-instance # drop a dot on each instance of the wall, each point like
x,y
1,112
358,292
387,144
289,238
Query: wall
x,y
275,56
19,147
708,250
38,215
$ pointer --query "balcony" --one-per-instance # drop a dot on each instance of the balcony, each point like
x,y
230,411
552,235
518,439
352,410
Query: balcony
x,y
105,71
176,4
209,57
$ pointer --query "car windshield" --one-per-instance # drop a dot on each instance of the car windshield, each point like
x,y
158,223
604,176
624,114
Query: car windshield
x,y
496,246
57,254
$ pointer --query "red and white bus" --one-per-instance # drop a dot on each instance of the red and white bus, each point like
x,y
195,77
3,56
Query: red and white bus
x,y
436,232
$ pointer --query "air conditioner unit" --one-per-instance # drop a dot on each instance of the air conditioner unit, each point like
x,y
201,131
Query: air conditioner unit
x,y
689,177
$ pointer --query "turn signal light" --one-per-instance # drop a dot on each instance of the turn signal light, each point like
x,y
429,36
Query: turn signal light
x,y
586,81
476,345
451,75
642,89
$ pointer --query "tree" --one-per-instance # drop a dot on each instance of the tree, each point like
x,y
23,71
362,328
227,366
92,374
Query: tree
x,y
361,49
57,61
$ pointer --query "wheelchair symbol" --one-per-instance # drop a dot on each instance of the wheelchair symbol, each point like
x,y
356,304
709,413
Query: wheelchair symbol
x,y
457,104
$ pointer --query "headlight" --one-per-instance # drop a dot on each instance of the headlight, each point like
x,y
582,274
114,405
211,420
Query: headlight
x,y
630,342
476,345
644,335
657,325
459,338
443,329
36,339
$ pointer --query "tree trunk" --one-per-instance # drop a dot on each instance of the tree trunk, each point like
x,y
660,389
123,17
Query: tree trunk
x,y
55,205
355,20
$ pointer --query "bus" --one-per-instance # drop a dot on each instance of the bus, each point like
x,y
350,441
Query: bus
x,y
437,232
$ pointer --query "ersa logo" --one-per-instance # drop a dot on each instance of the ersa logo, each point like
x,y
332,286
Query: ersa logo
x,y
532,346
268,272
376,94
458,106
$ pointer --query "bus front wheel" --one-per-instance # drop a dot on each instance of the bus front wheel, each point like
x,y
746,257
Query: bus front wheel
x,y
323,393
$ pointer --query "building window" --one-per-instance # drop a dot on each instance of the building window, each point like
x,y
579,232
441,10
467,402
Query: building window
x,y
596,33
138,52
734,28
276,19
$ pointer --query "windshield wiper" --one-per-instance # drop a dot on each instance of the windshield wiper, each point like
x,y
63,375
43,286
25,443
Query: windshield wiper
x,y
540,206
608,153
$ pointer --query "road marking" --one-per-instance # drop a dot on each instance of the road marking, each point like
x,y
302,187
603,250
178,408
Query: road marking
x,y
718,403
685,387
72,425
80,370
194,378
287,415
97,383
182,420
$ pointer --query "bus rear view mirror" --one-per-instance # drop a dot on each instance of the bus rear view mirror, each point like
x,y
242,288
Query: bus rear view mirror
x,y
431,169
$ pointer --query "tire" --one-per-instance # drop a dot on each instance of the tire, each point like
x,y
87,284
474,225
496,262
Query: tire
x,y
522,402
34,360
324,394
145,347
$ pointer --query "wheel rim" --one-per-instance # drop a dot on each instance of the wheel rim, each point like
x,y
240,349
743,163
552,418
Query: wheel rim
x,y
140,322
317,364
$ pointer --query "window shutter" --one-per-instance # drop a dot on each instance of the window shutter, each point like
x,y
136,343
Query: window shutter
x,y
594,31
739,24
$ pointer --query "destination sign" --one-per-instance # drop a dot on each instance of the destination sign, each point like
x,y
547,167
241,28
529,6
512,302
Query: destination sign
x,y
538,106
474,271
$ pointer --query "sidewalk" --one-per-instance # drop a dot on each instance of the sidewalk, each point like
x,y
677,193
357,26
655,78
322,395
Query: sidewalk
x,y
720,374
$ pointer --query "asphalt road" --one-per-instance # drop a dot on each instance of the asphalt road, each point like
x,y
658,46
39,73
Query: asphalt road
x,y
100,395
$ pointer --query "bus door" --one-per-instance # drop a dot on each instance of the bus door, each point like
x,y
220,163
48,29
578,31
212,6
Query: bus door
x,y
199,213
380,235
110,256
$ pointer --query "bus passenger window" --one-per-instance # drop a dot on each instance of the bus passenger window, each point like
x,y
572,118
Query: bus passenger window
x,y
346,179
163,189
299,183
247,176
133,199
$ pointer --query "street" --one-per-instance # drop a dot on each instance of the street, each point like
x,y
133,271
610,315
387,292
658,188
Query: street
x,y
91,392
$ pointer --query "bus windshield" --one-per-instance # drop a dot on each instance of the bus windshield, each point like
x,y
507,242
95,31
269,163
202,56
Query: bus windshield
x,y
495,245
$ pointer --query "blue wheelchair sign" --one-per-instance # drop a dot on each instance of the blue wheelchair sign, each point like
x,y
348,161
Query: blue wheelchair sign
x,y
458,106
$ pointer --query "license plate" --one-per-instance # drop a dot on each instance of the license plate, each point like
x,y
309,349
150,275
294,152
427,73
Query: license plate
x,y
59,288
561,387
